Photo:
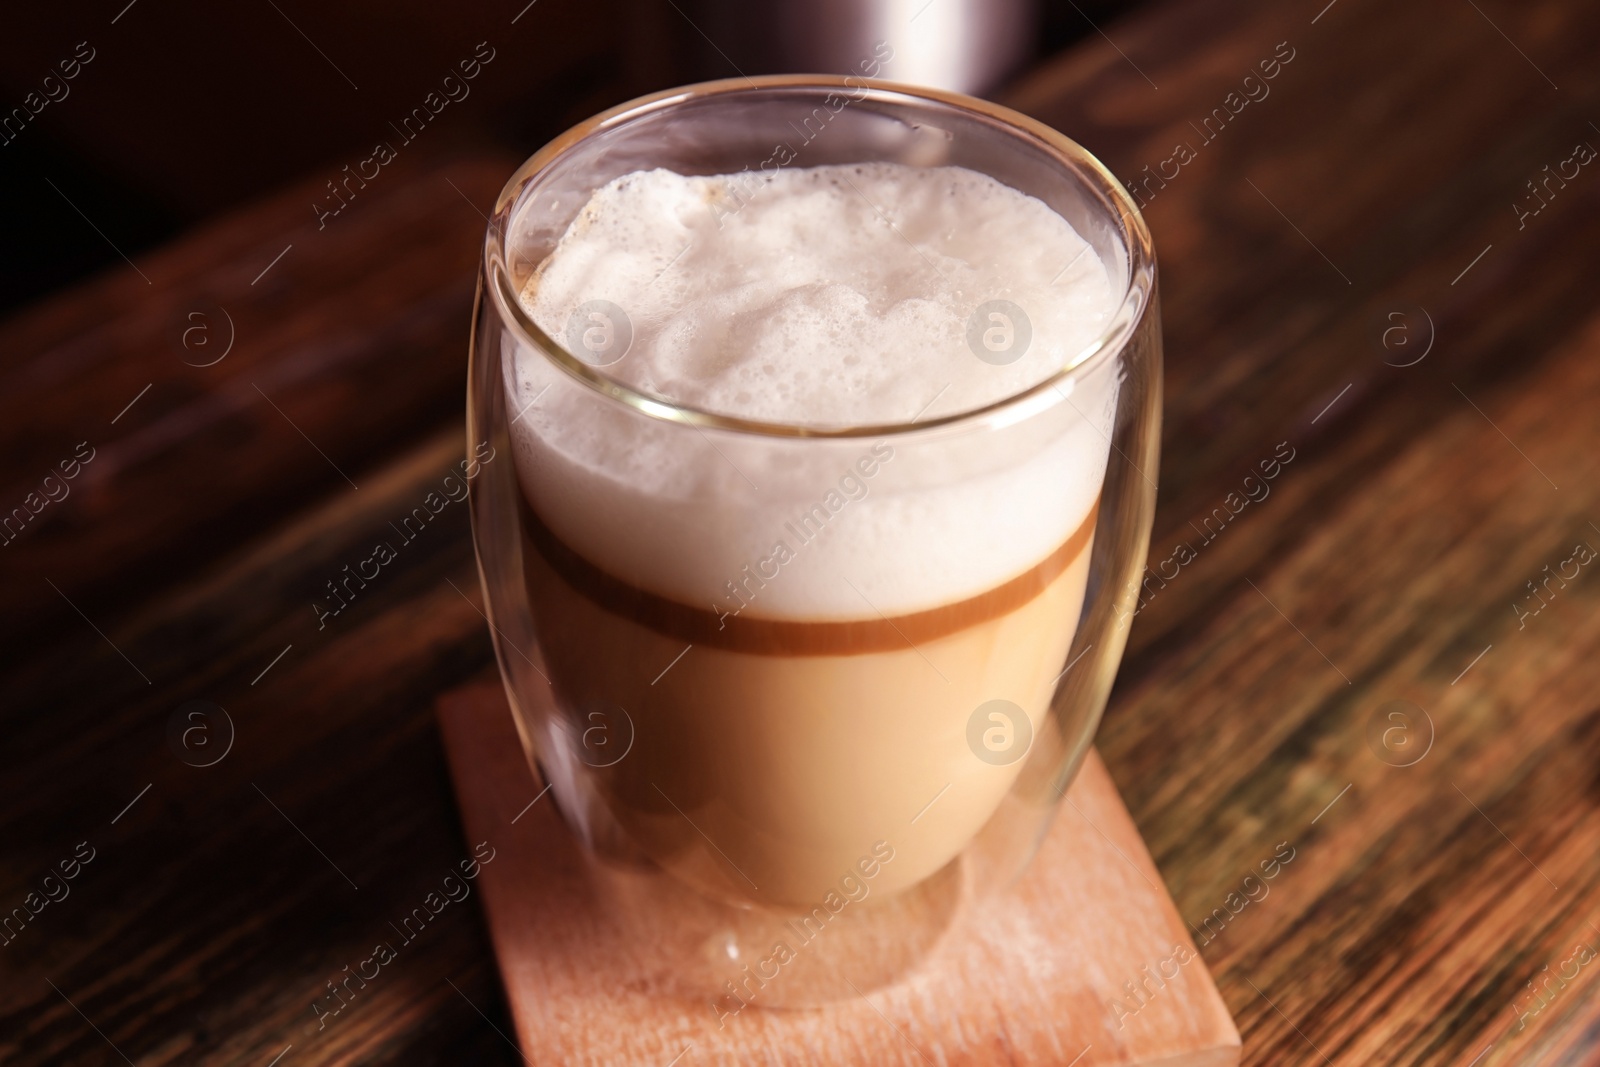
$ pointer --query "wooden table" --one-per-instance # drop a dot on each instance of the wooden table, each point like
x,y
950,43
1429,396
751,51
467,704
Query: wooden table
x,y
1344,272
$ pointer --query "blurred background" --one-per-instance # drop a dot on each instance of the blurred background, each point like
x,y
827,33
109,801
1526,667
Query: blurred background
x,y
188,109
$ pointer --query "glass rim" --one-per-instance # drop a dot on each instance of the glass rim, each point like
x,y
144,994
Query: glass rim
x,y
1133,305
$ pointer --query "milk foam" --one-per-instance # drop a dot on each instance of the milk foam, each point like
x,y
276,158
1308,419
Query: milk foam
x,y
830,296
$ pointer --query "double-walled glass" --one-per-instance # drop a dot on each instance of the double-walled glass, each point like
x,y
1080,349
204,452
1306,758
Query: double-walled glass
x,y
817,792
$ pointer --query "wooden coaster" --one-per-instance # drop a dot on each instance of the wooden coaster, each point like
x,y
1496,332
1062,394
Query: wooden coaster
x,y
1084,961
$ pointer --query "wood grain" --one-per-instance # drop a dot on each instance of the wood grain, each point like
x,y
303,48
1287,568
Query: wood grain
x,y
1386,559
1391,551
216,922
1021,978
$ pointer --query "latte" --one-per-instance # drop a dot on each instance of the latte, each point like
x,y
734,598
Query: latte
x,y
812,653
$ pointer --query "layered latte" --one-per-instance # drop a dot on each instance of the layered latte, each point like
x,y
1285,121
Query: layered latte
x,y
820,642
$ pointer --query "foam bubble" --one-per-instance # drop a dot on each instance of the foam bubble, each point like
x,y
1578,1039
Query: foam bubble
x,y
829,296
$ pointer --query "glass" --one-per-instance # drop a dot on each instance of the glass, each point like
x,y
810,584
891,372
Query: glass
x,y
740,782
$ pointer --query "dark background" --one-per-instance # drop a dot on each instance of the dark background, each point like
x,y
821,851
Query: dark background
x,y
188,109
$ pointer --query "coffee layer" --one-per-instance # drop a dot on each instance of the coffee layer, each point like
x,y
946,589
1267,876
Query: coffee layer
x,y
793,637
763,776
